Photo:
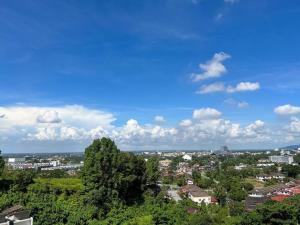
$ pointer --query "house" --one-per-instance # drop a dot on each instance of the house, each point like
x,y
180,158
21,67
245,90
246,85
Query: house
x,y
196,194
165,163
252,202
15,215
279,198
240,166
187,157
189,182
265,177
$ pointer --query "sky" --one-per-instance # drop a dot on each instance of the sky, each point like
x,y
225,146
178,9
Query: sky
x,y
151,75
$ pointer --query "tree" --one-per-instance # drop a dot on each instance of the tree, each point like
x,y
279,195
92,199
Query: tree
x,y
236,208
237,193
23,179
291,170
152,171
110,175
272,213
220,193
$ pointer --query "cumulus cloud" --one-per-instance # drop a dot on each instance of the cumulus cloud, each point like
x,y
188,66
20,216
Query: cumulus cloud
x,y
212,68
294,126
205,128
186,123
49,117
159,119
206,114
243,86
2,115
220,87
211,88
75,115
287,110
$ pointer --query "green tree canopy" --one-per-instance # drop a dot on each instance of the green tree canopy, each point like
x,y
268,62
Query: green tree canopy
x,y
152,171
109,174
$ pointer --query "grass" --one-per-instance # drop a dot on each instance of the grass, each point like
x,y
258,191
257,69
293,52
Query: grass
x,y
255,183
61,184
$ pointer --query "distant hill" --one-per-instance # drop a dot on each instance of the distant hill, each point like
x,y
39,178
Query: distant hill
x,y
291,147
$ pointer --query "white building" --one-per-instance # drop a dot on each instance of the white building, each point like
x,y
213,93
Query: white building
x,y
187,157
265,177
199,196
281,159
15,160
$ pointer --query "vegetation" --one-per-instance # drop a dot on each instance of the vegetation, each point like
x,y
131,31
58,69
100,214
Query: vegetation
x,y
121,189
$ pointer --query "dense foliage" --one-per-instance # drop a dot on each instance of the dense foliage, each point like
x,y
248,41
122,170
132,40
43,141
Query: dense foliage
x,y
117,188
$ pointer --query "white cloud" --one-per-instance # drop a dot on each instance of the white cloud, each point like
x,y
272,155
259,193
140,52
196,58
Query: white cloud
x,y
287,110
220,87
159,119
2,115
212,68
294,125
185,123
75,115
243,86
211,88
49,116
205,129
206,114
243,104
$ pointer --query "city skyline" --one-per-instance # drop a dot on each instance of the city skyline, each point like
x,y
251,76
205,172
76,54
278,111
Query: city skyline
x,y
182,74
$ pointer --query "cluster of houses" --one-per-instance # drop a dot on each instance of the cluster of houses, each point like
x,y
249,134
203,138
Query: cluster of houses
x,y
277,192
22,163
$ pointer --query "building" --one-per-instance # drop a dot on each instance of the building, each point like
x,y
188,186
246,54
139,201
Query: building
x,y
165,163
15,160
196,194
252,202
187,157
241,166
15,215
287,159
265,177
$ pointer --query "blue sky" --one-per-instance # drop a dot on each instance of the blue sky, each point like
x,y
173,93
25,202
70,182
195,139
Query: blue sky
x,y
117,65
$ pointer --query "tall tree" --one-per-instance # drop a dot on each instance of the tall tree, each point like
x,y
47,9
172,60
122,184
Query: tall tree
x,y
152,171
109,174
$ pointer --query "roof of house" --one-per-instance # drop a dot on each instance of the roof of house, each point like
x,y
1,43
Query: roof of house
x,y
194,190
272,188
17,211
11,210
279,198
252,202
295,190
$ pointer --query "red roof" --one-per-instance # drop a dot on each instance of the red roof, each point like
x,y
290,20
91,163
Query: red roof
x,y
279,198
295,190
